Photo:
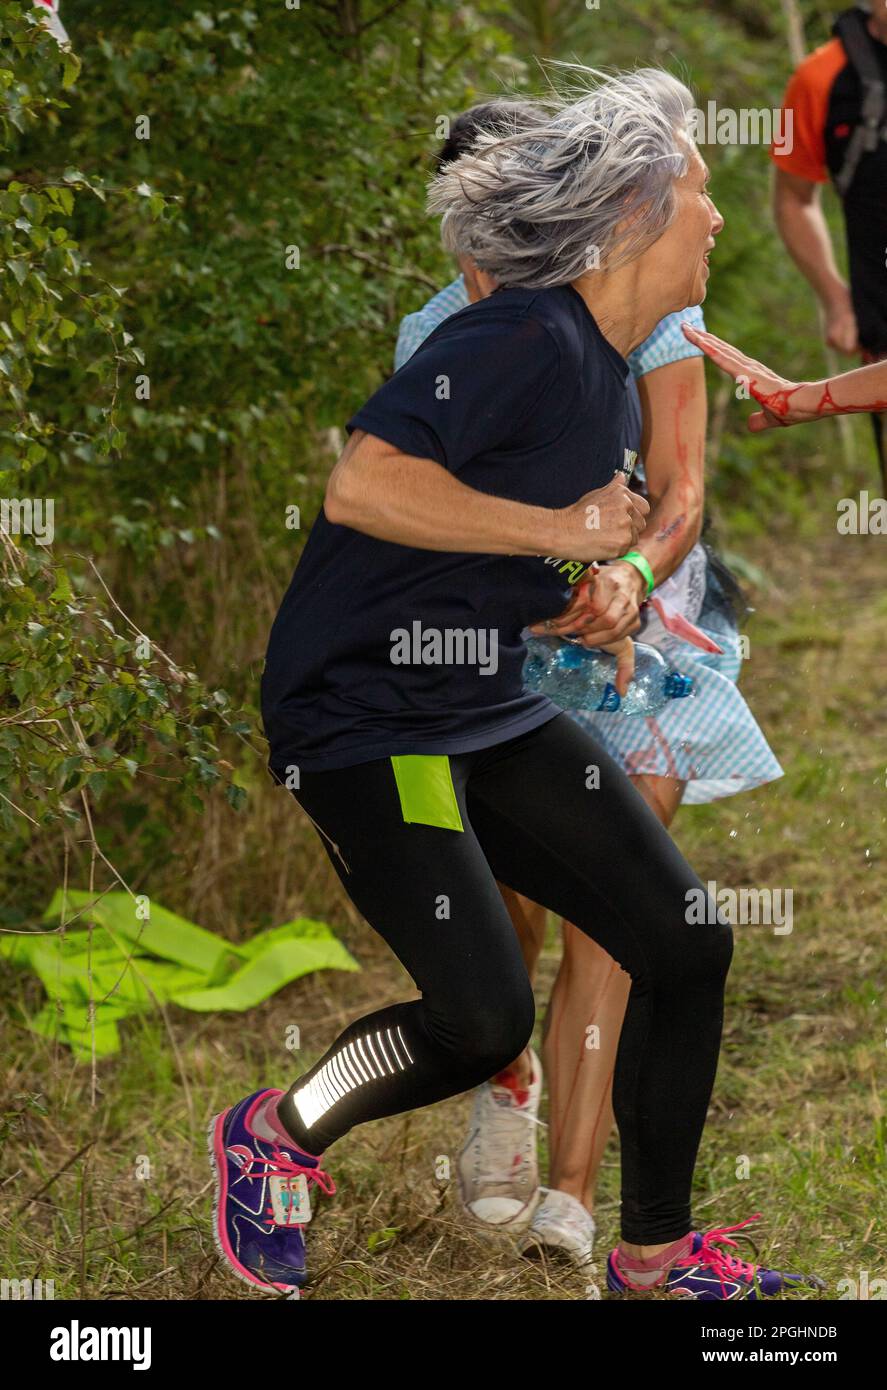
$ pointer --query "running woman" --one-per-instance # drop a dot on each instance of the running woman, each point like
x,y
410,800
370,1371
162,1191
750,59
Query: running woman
x,y
392,693
697,750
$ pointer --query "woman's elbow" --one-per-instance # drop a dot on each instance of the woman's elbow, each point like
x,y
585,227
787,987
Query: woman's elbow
x,y
361,489
342,499
334,505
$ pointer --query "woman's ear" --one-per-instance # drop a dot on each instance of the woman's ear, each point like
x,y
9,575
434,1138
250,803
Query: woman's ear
x,y
478,283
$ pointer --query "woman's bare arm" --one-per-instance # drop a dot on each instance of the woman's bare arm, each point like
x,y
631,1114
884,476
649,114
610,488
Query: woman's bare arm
x,y
377,489
673,449
675,421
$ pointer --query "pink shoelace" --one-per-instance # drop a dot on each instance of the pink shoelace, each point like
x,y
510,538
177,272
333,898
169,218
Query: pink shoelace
x,y
288,1167
720,1262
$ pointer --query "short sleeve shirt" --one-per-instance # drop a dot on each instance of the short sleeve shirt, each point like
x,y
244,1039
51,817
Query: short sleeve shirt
x,y
666,344
381,649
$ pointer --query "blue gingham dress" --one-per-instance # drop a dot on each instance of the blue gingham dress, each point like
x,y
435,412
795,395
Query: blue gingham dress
x,y
711,741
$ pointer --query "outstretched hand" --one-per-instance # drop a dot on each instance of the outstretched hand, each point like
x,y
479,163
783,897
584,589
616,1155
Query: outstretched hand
x,y
780,399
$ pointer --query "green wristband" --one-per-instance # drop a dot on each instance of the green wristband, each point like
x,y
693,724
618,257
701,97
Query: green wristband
x,y
641,563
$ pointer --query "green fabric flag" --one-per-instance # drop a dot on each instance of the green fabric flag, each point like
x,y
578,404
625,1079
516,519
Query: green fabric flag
x,y
138,962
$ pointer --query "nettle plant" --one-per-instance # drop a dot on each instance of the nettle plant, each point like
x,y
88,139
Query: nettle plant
x,y
87,701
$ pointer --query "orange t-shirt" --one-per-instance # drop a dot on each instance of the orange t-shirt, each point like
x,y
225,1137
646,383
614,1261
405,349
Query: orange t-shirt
x,y
807,97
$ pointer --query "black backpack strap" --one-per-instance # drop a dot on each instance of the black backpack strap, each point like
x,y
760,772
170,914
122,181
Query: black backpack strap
x,y
852,29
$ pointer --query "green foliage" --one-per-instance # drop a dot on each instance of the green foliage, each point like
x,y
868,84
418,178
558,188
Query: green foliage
x,y
86,701
84,705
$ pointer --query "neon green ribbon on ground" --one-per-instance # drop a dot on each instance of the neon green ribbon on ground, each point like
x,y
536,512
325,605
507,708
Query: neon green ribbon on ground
x,y
137,964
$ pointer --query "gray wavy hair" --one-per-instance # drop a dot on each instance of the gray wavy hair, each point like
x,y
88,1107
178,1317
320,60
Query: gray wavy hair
x,y
593,173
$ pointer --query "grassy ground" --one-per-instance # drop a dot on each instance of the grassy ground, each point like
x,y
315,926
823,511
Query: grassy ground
x,y
799,1093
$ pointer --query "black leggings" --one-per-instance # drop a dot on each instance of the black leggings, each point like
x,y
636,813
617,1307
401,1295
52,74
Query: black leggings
x,y
599,857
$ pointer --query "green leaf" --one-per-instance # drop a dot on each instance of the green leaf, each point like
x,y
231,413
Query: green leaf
x,y
236,796
22,683
379,1240
97,781
62,590
71,69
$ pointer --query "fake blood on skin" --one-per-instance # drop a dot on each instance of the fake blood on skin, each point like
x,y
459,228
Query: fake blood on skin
x,y
777,402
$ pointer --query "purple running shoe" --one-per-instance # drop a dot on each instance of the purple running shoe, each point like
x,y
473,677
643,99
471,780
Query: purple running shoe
x,y
708,1272
262,1199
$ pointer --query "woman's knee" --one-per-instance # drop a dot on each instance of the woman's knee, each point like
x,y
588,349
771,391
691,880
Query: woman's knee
x,y
487,1031
700,955
710,955
684,954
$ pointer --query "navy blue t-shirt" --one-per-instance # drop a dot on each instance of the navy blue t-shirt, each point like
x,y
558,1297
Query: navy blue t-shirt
x,y
381,649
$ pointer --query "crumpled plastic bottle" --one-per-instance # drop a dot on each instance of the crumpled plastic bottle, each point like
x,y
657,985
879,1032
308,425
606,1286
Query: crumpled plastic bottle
x,y
583,678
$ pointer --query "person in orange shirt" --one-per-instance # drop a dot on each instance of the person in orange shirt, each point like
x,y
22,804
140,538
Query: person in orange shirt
x,y
838,103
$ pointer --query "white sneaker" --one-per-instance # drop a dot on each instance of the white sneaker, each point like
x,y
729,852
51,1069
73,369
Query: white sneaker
x,y
498,1168
560,1226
